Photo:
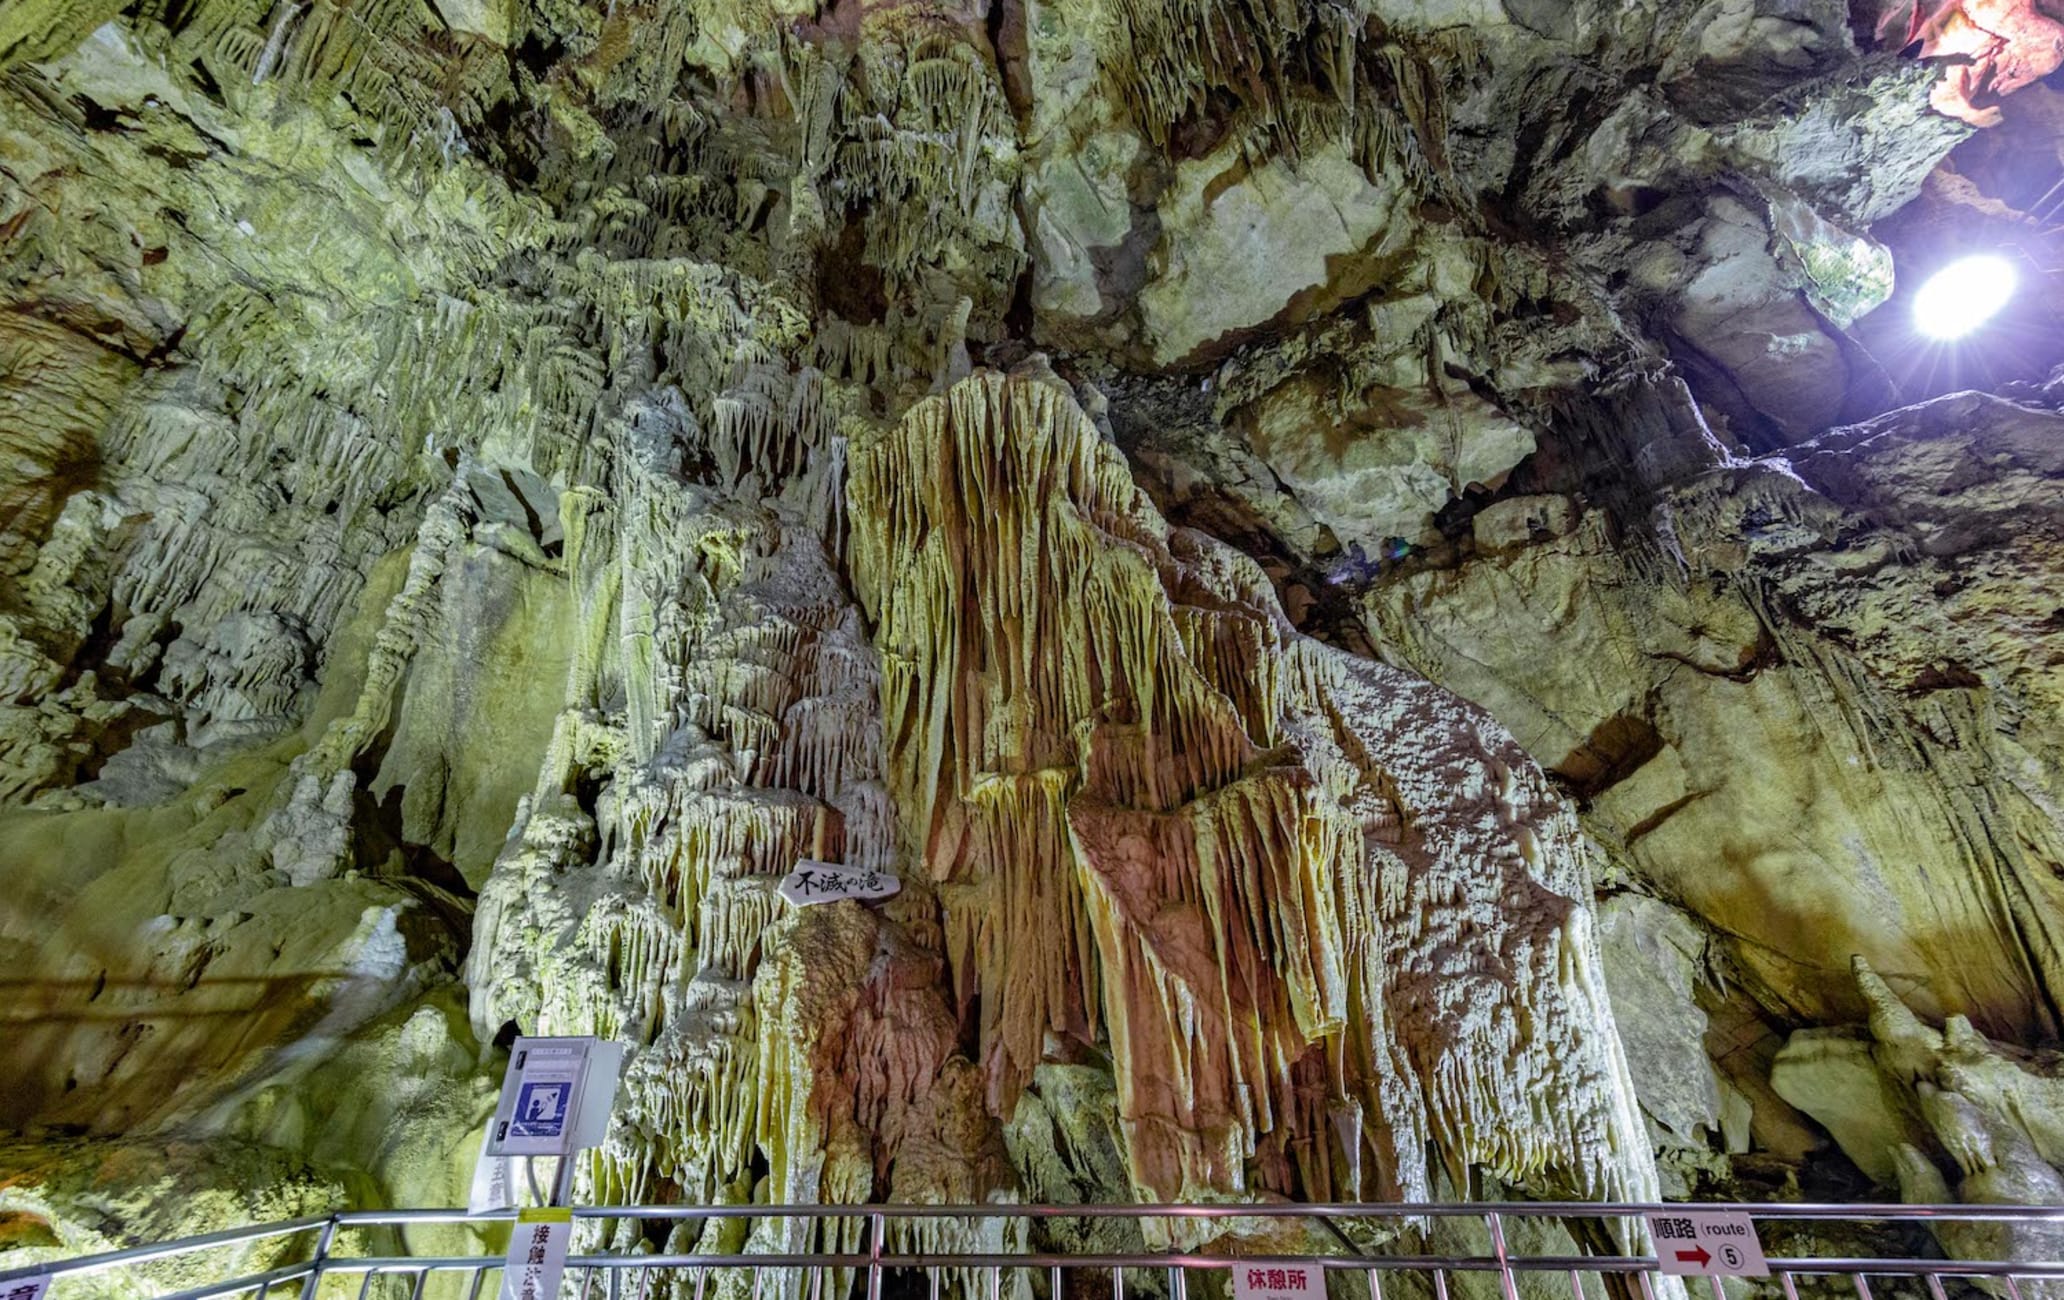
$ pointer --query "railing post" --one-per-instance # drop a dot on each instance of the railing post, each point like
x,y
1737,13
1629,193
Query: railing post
x,y
1505,1279
879,1223
323,1242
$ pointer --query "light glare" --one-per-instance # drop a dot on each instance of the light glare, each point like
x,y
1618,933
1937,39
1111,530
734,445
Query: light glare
x,y
1962,296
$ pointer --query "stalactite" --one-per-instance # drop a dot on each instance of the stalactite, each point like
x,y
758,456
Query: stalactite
x,y
723,711
1266,868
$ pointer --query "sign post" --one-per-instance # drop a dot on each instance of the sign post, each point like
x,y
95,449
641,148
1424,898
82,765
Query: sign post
x,y
555,1101
1707,1243
556,1097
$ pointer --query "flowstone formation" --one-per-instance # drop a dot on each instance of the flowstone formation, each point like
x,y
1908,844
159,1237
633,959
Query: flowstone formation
x,y
1144,818
1392,579
1329,917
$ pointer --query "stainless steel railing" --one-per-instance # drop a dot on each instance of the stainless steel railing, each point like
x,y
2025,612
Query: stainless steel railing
x,y
340,1248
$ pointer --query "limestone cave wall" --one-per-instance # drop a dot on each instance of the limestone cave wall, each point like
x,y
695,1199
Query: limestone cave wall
x,y
1392,579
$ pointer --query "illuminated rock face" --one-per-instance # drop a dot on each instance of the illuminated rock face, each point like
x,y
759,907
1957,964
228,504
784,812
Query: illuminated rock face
x,y
1327,915
1266,520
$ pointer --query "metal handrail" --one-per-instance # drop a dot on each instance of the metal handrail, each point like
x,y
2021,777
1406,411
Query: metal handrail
x,y
876,1258
1268,1210
152,1251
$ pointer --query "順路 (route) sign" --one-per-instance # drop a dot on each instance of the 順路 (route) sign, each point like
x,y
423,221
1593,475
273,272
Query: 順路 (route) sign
x,y
1707,1243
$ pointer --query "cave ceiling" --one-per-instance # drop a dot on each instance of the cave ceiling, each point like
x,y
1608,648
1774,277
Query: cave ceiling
x,y
1395,579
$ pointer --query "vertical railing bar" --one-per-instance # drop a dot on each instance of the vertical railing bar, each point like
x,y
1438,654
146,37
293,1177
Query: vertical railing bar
x,y
1440,1284
2013,1287
995,1284
1576,1285
1117,1284
701,1276
1935,1288
479,1280
1791,1288
879,1223
1505,1278
932,1282
1720,1292
757,1274
263,1287
322,1256
1859,1280
1376,1284
1053,1283
367,1285
613,1289
422,1280
1647,1285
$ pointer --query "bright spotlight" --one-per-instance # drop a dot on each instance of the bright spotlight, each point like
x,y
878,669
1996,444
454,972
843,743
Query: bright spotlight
x,y
1963,295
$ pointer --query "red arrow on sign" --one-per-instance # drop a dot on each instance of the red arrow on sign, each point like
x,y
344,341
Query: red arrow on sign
x,y
1698,1257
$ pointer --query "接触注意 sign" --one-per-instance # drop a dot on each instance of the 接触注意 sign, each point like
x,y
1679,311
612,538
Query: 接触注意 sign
x,y
537,1253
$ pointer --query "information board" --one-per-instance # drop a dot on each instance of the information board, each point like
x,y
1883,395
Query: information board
x,y
555,1097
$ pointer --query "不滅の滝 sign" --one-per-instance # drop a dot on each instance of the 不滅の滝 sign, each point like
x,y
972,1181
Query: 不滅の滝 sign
x,y
828,882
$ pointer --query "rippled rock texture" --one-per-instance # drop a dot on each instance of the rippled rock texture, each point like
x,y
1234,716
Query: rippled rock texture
x,y
1388,576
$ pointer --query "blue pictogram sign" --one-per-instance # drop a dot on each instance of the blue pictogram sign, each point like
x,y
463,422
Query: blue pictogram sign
x,y
540,1110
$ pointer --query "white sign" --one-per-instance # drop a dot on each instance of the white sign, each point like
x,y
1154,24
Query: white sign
x,y
25,1288
555,1097
537,1253
1707,1243
1279,1282
493,1188
827,882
